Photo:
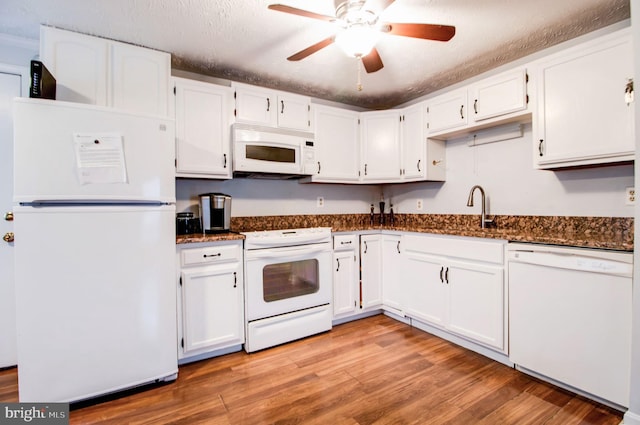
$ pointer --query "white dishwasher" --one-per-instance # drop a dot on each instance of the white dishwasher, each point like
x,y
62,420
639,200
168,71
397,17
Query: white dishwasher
x,y
570,317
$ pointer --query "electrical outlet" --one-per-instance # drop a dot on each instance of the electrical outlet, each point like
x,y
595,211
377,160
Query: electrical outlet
x,y
320,202
630,198
418,204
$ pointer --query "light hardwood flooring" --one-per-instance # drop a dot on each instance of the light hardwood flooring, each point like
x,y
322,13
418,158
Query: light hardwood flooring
x,y
371,371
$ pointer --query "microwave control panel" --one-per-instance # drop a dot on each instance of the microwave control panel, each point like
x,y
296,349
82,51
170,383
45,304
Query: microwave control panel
x,y
309,165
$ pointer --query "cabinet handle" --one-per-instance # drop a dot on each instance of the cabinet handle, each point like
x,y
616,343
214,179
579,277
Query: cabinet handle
x,y
318,167
398,247
225,160
212,255
365,169
540,147
282,106
446,276
345,243
235,279
441,271
475,106
462,112
268,104
418,165
365,247
338,268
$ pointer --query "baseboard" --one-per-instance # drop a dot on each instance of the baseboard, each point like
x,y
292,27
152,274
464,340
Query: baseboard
x,y
631,418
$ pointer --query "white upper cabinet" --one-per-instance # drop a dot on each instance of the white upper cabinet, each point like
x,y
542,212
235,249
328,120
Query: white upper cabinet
x,y
203,114
261,106
583,117
447,112
412,136
421,158
108,73
337,144
503,94
79,64
381,154
489,102
140,79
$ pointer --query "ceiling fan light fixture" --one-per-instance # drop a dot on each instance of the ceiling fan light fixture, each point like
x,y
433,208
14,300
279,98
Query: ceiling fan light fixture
x,y
357,40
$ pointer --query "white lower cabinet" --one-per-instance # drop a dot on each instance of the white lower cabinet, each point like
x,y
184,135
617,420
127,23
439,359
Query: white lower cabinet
x,y
210,298
392,285
346,275
456,284
370,272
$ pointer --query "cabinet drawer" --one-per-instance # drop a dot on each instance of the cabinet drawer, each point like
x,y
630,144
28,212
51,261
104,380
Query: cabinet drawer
x,y
468,248
345,242
210,255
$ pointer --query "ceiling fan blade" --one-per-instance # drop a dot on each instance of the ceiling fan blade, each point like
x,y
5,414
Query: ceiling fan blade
x,y
311,49
372,61
426,31
377,6
301,12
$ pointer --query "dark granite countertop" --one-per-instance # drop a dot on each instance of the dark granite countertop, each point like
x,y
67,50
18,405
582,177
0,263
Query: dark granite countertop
x,y
615,233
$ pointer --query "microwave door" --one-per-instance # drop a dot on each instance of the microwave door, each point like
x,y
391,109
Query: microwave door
x,y
268,157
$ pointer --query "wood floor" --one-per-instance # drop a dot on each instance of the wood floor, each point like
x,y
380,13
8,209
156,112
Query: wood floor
x,y
371,371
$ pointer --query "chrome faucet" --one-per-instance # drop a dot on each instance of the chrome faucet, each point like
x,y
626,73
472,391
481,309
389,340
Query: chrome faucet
x,y
483,217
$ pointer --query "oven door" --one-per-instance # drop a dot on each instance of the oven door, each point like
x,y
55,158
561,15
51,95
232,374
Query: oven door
x,y
287,279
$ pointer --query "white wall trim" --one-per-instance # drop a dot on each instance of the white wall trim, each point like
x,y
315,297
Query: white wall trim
x,y
22,71
20,42
630,418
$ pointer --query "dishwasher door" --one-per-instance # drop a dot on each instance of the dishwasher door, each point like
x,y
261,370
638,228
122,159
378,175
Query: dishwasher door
x,y
570,317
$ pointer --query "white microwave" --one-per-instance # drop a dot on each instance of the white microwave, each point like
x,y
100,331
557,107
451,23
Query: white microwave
x,y
272,151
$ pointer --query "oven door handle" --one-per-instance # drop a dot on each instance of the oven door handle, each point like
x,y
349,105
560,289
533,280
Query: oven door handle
x,y
284,252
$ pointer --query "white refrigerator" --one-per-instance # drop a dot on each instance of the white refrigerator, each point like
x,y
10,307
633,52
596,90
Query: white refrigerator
x,y
94,195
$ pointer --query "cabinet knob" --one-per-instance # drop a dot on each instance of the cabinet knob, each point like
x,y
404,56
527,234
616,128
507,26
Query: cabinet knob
x,y
8,216
8,237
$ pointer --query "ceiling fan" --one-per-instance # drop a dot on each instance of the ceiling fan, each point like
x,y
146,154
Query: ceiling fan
x,y
359,27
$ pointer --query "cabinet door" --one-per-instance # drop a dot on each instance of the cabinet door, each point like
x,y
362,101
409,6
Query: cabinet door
x,y
381,146
413,143
337,144
583,117
392,285
79,64
294,111
212,307
371,261
140,79
345,283
476,302
255,105
426,293
447,111
202,129
499,95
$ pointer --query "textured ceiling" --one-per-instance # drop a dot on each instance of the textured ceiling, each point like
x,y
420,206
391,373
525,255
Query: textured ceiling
x,y
241,40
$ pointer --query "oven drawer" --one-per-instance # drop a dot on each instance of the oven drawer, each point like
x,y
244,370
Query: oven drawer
x,y
214,254
345,242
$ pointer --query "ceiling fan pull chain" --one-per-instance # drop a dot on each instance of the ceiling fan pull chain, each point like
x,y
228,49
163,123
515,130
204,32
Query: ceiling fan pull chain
x,y
359,84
